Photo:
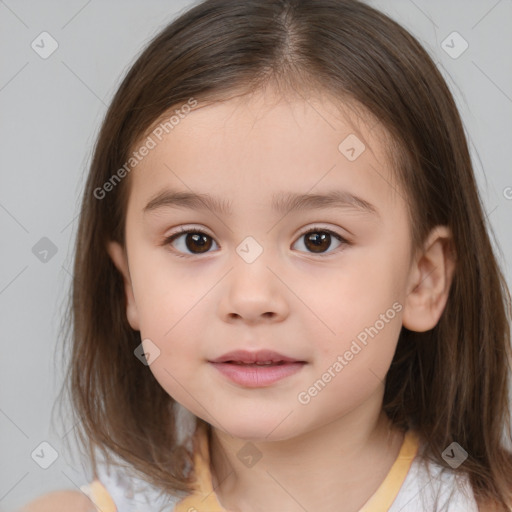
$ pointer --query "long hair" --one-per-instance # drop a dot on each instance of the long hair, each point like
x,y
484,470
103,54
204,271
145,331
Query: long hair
x,y
449,383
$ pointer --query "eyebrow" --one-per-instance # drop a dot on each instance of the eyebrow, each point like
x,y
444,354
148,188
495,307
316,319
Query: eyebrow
x,y
282,202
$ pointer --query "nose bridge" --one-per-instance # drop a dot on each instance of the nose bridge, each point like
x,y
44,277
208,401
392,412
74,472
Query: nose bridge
x,y
254,291
251,261
250,250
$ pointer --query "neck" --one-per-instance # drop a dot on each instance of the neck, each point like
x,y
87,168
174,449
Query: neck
x,y
347,459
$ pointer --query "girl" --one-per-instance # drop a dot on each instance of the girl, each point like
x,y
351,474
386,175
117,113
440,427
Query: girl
x,y
285,295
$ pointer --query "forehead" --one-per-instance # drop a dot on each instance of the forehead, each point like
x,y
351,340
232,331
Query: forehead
x,y
252,148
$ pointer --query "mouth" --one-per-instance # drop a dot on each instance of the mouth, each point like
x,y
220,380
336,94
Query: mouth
x,y
258,358
261,363
256,369
260,374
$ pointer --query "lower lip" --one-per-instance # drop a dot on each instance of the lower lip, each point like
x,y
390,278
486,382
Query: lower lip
x,y
257,376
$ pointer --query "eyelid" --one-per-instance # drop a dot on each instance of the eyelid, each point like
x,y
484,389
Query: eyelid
x,y
316,227
188,228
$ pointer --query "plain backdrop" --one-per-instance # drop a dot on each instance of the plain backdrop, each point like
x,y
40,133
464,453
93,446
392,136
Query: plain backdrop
x,y
51,108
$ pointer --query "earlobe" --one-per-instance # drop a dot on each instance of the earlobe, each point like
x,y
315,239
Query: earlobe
x,y
430,281
120,260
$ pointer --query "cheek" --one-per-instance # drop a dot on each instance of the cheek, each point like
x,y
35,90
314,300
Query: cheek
x,y
170,309
351,366
179,341
355,293
165,291
361,312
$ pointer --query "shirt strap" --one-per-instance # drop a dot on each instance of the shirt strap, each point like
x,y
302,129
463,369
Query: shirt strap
x,y
204,498
388,490
99,496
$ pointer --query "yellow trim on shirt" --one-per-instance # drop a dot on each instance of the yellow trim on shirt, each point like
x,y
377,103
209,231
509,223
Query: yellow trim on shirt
x,y
388,490
204,498
100,497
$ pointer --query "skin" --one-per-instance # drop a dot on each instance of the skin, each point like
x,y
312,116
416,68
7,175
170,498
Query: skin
x,y
307,305
300,303
60,501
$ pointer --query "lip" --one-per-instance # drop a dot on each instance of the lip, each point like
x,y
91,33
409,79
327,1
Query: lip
x,y
259,356
253,376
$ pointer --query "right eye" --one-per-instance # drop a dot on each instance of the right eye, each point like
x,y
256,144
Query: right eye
x,y
192,239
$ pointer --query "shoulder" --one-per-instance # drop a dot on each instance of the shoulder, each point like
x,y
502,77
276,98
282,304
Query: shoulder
x,y
119,488
452,488
92,498
60,501
428,486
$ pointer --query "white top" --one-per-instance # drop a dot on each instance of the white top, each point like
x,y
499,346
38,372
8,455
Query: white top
x,y
419,490
425,483
417,493
131,494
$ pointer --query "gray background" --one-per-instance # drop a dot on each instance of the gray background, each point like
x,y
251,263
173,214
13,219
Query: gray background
x,y
51,111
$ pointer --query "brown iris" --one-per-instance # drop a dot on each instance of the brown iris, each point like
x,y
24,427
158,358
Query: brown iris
x,y
319,240
198,242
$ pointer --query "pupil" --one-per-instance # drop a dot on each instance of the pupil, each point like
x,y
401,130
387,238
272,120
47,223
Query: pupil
x,y
320,242
199,239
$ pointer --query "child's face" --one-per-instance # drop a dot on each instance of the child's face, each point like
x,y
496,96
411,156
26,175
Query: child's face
x,y
338,307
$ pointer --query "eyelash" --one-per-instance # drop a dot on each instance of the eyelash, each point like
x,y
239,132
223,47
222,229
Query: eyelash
x,y
171,238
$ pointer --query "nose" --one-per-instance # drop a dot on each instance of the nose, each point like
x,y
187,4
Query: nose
x,y
253,293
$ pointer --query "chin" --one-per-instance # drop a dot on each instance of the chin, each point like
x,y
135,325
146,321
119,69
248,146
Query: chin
x,y
258,430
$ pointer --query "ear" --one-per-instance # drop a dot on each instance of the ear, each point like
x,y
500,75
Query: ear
x,y
118,255
429,282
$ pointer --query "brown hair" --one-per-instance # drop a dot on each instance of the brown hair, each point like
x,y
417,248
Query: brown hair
x,y
449,383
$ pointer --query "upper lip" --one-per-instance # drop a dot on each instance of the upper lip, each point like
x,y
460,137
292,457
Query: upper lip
x,y
260,356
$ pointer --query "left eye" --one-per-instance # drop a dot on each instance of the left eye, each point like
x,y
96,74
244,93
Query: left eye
x,y
319,239
198,242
